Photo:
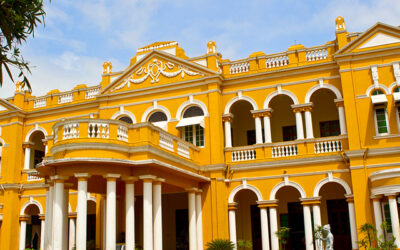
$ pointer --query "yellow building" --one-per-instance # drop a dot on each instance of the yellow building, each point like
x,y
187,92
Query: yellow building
x,y
173,151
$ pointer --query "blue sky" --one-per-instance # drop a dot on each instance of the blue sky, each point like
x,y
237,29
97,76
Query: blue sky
x,y
80,35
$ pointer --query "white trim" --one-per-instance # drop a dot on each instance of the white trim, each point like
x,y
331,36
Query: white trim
x,y
343,183
392,86
188,103
31,202
385,174
385,190
376,124
281,92
381,86
154,109
286,184
233,193
324,86
121,112
33,130
240,98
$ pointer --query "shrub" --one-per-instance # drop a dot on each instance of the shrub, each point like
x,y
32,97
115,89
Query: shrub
x,y
220,244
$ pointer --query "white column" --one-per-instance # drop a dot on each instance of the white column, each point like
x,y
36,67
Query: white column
x,y
264,227
81,219
42,230
274,228
308,227
147,211
378,215
72,235
232,222
317,215
65,218
394,216
130,213
49,216
228,135
192,220
58,213
111,215
157,215
342,120
27,161
299,126
267,129
353,226
22,233
309,125
199,221
259,139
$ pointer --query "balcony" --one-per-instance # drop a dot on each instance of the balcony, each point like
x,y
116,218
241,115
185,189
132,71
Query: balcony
x,y
287,150
31,175
115,135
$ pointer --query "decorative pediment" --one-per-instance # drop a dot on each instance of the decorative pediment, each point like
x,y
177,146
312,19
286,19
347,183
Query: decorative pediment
x,y
6,106
2,108
378,36
158,67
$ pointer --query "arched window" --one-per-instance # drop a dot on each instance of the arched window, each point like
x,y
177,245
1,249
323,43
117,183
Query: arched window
x,y
396,90
192,124
126,119
159,119
377,92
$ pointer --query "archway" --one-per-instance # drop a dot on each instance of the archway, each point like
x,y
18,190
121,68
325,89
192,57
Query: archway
x,y
334,211
243,127
32,227
290,214
37,150
159,119
283,121
248,222
325,117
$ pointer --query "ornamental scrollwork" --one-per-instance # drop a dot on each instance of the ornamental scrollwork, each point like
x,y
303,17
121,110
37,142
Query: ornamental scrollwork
x,y
154,70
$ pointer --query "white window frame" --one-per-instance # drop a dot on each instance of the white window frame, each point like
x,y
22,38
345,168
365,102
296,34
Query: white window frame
x,y
194,132
376,122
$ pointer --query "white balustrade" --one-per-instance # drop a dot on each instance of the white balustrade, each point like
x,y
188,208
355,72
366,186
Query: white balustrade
x,y
91,93
183,150
166,142
122,133
33,176
239,68
65,98
284,151
99,130
70,131
39,102
277,61
244,155
315,55
328,146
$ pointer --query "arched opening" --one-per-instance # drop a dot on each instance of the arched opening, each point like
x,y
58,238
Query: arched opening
x,y
283,121
248,222
334,211
290,214
37,150
33,227
192,124
126,119
325,116
91,225
159,119
243,128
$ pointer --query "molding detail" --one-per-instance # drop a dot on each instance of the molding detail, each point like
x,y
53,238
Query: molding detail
x,y
343,183
287,184
232,195
154,70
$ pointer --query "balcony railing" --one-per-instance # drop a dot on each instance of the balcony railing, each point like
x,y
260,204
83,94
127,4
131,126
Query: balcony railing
x,y
114,131
287,150
32,175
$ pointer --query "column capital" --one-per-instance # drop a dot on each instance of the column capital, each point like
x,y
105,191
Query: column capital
x,y
232,206
42,217
72,215
268,203
199,191
82,176
261,113
391,195
376,197
339,102
191,190
349,198
310,201
59,178
129,179
158,181
112,177
27,144
24,217
227,117
297,108
148,178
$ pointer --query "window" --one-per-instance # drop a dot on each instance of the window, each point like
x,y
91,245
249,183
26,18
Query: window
x,y
126,119
289,133
381,121
377,92
192,124
329,128
159,119
397,89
